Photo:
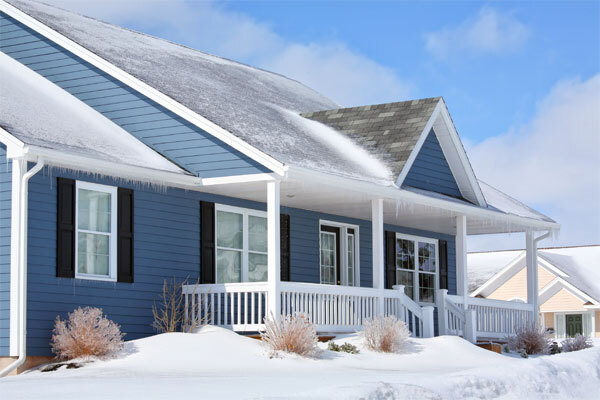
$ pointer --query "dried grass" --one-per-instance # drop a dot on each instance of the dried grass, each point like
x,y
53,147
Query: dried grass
x,y
531,339
169,311
86,332
385,334
292,334
579,342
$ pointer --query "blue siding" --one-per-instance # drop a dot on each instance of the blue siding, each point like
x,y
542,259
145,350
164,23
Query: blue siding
x,y
5,210
172,136
430,171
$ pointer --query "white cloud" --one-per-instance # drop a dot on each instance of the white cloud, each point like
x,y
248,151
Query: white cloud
x,y
489,32
553,162
330,67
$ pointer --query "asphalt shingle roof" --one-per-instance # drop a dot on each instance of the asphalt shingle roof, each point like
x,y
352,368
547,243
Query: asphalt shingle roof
x,y
389,131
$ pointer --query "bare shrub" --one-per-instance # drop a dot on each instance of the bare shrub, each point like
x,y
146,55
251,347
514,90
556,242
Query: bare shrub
x,y
386,334
86,332
169,311
579,342
292,334
531,339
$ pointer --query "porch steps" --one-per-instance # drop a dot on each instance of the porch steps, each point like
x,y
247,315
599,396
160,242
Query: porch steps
x,y
322,338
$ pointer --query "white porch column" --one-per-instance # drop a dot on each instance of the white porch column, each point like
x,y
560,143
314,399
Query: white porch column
x,y
532,273
462,282
378,243
273,255
18,169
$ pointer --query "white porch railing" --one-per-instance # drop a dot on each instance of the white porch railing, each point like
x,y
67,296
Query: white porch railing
x,y
490,319
242,307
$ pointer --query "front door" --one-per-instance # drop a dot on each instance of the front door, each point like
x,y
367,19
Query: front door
x,y
574,324
330,255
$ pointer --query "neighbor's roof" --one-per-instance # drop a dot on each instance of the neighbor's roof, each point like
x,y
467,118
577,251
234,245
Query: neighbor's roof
x,y
581,265
390,130
52,118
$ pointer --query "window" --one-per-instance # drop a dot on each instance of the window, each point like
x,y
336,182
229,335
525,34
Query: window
x,y
416,267
96,239
241,245
338,252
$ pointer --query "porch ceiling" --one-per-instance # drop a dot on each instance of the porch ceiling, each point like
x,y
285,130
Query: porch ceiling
x,y
346,202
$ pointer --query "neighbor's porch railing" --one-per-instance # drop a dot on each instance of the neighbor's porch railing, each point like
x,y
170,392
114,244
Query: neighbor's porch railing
x,y
484,318
243,306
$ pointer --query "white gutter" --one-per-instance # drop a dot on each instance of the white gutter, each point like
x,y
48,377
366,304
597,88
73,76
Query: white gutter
x,y
394,193
22,306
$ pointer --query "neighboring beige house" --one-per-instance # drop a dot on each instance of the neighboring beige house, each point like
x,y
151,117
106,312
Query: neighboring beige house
x,y
568,280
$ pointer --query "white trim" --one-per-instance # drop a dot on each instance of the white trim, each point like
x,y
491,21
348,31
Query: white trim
x,y
235,179
344,250
245,213
394,193
19,167
550,288
145,89
112,190
460,166
436,284
504,275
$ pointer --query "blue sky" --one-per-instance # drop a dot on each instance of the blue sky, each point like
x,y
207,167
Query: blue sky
x,y
521,79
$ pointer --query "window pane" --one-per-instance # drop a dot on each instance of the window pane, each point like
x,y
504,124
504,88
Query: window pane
x,y
229,263
257,233
427,257
406,278
350,272
229,230
257,267
405,254
93,254
426,287
328,258
93,210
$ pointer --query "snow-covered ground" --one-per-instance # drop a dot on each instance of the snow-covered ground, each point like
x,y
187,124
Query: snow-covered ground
x,y
216,363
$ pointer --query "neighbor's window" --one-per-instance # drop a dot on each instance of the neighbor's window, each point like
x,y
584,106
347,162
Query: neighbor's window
x,y
416,267
96,220
241,245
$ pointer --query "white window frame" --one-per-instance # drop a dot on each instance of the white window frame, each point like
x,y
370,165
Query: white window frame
x,y
343,250
416,272
112,190
563,314
245,212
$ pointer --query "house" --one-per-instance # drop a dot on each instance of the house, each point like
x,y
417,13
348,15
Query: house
x,y
568,285
127,160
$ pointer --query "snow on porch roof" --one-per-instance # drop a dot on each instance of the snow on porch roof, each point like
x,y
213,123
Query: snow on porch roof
x,y
52,118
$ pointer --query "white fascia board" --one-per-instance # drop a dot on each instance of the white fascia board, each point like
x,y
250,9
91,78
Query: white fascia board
x,y
145,89
459,164
500,277
14,147
559,283
235,179
419,144
395,193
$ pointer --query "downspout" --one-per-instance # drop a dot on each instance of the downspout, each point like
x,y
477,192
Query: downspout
x,y
22,305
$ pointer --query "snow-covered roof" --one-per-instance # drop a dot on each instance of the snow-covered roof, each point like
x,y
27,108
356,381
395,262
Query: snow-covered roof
x,y
500,201
52,118
251,103
580,265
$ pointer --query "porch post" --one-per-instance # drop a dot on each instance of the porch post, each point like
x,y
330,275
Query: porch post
x,y
378,241
273,251
532,273
462,283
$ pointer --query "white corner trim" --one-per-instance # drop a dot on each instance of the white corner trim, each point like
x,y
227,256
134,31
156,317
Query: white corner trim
x,y
145,89
500,277
419,144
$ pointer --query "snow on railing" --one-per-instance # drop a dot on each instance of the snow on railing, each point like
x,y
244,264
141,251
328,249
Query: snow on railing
x,y
451,318
495,319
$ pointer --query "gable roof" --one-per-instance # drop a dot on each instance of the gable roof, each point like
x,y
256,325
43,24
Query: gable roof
x,y
578,265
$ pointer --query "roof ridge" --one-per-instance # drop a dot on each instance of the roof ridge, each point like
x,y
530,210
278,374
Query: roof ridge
x,y
541,248
369,107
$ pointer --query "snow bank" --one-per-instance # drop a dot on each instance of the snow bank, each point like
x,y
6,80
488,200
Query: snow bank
x,y
216,363
55,119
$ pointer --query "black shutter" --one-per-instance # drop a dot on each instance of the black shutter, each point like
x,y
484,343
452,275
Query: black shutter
x,y
284,247
207,239
443,250
390,259
65,238
125,235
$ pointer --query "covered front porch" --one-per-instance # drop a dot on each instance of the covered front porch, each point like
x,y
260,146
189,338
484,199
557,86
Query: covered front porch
x,y
443,308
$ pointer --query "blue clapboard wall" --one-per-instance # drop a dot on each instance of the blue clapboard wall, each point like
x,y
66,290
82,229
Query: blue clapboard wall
x,y
431,171
167,133
5,207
